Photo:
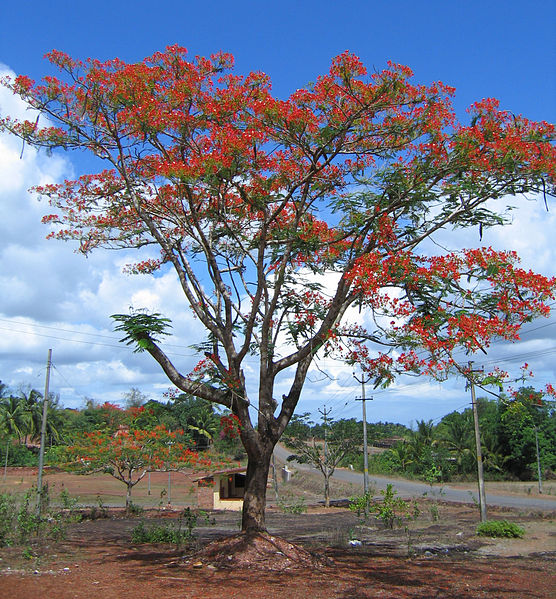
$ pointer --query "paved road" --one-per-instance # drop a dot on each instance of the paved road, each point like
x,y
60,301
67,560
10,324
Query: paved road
x,y
408,488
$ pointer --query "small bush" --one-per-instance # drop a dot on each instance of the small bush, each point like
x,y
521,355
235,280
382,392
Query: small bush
x,y
361,504
134,510
391,510
292,505
158,534
8,517
500,528
175,535
20,524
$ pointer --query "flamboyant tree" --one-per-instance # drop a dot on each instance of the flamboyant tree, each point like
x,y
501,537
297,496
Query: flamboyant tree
x,y
129,452
279,215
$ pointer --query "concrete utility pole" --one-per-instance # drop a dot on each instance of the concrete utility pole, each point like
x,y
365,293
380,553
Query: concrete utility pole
x,y
362,380
480,474
43,431
539,473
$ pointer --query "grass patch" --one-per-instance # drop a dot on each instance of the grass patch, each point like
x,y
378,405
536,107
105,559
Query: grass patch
x,y
500,528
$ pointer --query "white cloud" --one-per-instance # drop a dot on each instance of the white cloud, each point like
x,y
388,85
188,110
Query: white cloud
x,y
54,298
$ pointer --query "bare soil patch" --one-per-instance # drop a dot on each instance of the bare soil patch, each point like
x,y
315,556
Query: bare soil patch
x,y
441,558
328,554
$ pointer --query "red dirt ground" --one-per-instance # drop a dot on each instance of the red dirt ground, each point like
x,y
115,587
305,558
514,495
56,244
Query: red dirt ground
x,y
430,558
98,560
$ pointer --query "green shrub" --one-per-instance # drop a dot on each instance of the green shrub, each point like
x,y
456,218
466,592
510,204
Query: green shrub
x,y
18,455
500,528
361,504
392,510
20,524
158,534
8,515
134,510
176,535
292,505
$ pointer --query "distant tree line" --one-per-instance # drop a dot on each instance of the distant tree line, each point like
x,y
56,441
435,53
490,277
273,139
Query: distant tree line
x,y
21,417
443,451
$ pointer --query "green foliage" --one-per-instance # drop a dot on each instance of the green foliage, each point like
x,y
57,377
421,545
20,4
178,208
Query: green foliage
x,y
158,534
361,504
507,427
55,456
141,328
20,524
393,510
8,511
519,420
197,416
177,535
190,518
133,509
500,528
299,427
290,504
18,455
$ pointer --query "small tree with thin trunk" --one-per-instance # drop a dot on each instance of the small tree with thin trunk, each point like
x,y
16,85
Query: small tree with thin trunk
x,y
323,455
279,215
128,454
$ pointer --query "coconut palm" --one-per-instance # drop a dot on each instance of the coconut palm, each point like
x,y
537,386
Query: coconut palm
x,y
456,434
15,419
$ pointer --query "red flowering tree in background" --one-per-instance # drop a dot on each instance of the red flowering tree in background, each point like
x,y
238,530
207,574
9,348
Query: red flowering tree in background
x,y
130,451
279,215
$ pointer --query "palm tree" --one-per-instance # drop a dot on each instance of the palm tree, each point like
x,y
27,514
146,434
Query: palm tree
x,y
15,419
403,454
456,433
32,401
204,426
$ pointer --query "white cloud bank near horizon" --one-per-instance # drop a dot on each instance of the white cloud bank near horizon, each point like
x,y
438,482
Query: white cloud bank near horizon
x,y
53,298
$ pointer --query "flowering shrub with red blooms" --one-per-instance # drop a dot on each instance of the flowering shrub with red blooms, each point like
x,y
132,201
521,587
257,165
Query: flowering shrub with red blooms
x,y
278,215
129,453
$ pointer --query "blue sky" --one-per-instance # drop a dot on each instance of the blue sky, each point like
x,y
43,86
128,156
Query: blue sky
x,y
53,298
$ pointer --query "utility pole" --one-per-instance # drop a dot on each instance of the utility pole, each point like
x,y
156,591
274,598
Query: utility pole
x,y
538,458
324,413
480,474
364,380
43,431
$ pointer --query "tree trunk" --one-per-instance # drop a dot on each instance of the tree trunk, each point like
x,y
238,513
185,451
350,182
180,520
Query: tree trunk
x,y
254,499
326,490
128,496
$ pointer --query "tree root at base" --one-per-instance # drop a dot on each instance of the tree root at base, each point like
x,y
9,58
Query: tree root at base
x,y
261,551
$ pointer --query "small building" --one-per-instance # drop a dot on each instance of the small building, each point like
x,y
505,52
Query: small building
x,y
221,490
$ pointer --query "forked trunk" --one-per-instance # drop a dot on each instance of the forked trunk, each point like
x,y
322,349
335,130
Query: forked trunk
x,y
254,499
